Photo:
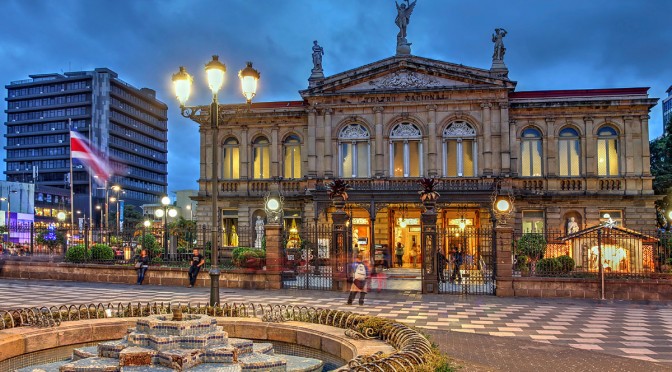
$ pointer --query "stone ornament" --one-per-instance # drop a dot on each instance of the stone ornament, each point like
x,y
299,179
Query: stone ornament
x,y
259,229
405,130
318,52
403,19
497,38
354,131
404,80
459,129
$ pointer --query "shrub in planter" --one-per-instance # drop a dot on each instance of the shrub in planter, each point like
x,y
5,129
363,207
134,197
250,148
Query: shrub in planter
x,y
248,257
566,263
533,246
101,252
77,254
548,267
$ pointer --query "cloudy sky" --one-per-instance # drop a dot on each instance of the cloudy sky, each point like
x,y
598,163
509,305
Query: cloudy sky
x,y
569,44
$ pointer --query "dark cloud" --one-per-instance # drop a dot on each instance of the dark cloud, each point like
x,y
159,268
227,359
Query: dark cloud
x,y
550,45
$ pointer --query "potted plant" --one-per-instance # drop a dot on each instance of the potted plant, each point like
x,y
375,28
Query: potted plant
x,y
338,192
428,195
533,246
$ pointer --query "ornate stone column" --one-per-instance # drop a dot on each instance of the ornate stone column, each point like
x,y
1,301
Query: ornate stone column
x,y
514,147
487,139
629,165
646,153
244,149
274,255
432,151
590,148
328,146
379,144
312,157
430,280
550,149
505,146
275,147
502,239
340,246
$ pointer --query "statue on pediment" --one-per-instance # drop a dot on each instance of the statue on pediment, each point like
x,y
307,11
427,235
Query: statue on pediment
x,y
497,38
403,17
318,52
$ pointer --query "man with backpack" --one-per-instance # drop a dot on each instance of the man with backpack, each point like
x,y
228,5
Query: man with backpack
x,y
360,275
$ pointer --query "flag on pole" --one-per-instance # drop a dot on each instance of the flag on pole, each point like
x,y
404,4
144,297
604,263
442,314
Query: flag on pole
x,y
81,150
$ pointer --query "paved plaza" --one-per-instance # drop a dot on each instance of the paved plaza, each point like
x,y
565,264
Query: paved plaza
x,y
484,332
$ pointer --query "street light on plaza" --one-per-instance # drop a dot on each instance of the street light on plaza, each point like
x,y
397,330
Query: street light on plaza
x,y
9,212
165,213
209,114
145,226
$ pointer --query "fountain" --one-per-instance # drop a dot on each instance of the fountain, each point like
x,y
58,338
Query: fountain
x,y
183,342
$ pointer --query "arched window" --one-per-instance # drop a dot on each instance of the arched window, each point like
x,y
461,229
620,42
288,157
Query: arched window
x,y
292,158
607,152
353,151
231,159
569,153
459,149
261,158
531,165
405,151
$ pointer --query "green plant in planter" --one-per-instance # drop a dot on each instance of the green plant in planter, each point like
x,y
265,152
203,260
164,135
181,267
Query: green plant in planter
x,y
566,263
548,267
77,254
533,246
523,265
248,257
102,252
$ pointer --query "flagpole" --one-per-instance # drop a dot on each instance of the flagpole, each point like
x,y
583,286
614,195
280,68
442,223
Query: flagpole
x,y
90,192
72,181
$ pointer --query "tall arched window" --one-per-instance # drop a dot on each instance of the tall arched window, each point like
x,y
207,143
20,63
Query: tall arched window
x,y
406,151
292,158
261,158
231,159
353,151
607,152
531,165
569,153
459,149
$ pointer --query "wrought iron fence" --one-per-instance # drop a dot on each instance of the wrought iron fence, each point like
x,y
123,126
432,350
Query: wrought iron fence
x,y
467,265
308,258
619,252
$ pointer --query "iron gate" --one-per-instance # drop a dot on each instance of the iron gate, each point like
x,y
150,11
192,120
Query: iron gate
x,y
309,258
470,261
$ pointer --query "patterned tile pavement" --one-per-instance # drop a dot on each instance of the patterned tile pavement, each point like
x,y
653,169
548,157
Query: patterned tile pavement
x,y
636,330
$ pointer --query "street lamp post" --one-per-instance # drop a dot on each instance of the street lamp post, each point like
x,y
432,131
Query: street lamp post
x,y
165,213
9,212
100,225
145,225
205,115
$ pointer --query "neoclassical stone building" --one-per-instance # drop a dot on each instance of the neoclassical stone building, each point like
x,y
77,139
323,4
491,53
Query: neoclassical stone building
x,y
382,126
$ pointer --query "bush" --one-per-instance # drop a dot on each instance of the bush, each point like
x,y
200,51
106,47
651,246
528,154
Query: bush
x,y
244,256
532,246
77,254
548,266
102,252
522,263
566,263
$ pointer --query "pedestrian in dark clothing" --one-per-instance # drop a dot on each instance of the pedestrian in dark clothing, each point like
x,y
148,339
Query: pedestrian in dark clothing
x,y
141,265
399,252
360,275
197,261
441,261
456,260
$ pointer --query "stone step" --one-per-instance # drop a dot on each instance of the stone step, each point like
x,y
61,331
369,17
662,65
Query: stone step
x,y
263,348
216,367
243,346
111,349
152,368
136,356
301,364
95,364
179,359
84,352
262,362
49,367
220,354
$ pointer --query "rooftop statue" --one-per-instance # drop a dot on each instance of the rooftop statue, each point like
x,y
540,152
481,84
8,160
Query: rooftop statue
x,y
318,52
404,11
497,38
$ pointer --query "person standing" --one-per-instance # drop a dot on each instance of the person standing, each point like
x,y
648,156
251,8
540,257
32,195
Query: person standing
x,y
141,265
197,261
456,260
361,273
414,254
399,252
441,261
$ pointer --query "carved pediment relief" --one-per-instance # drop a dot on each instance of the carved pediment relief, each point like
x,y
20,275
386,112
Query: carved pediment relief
x,y
405,79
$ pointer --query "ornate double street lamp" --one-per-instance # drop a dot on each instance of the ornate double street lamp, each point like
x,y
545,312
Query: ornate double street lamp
x,y
9,212
165,213
210,114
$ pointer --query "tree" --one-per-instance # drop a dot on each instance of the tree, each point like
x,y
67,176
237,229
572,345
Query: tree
x,y
533,246
184,230
661,169
51,238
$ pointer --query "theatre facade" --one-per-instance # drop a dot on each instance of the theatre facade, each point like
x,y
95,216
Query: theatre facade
x,y
562,155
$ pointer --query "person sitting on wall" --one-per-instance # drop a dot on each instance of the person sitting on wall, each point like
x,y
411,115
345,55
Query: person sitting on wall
x,y
197,261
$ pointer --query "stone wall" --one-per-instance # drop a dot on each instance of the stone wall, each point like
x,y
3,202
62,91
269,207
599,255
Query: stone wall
x,y
631,289
240,278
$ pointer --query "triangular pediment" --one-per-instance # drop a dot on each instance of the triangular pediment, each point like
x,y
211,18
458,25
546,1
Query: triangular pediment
x,y
409,73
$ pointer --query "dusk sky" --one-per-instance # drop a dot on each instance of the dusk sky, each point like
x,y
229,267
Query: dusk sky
x,y
570,44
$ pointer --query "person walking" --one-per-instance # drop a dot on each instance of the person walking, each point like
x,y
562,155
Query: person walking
x,y
197,261
361,273
414,254
399,252
141,265
456,260
441,261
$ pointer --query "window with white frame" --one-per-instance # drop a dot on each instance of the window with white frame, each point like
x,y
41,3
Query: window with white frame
x,y
292,158
459,149
533,222
406,151
353,151
231,159
607,152
531,150
261,156
569,153
615,216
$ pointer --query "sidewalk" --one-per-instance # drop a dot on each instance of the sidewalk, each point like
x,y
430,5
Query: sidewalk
x,y
486,332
